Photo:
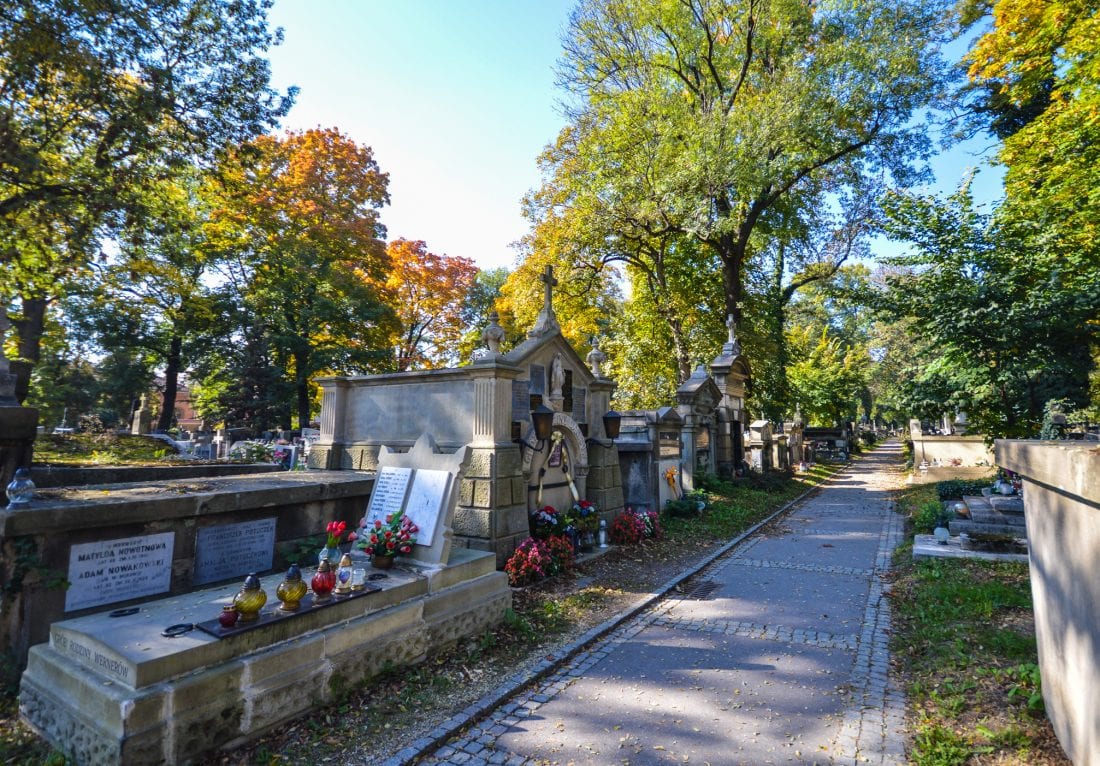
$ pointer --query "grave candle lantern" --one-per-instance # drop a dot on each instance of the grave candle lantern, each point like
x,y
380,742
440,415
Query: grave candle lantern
x,y
250,599
21,489
323,582
343,576
291,590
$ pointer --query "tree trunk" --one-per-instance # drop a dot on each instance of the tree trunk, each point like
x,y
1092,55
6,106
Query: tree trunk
x,y
301,375
30,328
171,384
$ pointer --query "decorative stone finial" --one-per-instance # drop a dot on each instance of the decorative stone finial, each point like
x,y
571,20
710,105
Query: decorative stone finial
x,y
493,334
797,420
596,357
546,321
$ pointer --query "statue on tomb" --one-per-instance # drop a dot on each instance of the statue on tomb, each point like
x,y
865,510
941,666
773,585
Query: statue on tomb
x,y
492,335
596,357
557,377
732,347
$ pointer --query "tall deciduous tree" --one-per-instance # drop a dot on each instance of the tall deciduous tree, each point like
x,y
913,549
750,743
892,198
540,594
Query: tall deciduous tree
x,y
1009,320
95,99
1040,66
298,218
701,116
428,292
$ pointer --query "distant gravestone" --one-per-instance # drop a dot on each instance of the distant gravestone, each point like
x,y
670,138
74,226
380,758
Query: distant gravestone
x,y
107,571
426,481
231,550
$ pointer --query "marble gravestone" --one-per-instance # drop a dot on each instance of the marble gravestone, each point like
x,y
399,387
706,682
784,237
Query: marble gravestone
x,y
424,482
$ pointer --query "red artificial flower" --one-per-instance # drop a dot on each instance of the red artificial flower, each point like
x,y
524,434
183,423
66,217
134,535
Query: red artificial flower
x,y
374,538
388,534
352,537
377,524
406,549
390,545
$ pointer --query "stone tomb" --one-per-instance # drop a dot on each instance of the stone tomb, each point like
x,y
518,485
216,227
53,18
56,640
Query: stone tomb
x,y
111,688
487,407
649,448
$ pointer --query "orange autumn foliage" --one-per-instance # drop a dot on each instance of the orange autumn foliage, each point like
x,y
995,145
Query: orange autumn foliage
x,y
427,291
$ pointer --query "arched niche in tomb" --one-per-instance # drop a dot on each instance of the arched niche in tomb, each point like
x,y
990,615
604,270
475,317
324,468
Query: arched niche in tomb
x,y
554,464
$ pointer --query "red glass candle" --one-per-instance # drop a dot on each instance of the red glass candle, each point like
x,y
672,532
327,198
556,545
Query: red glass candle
x,y
323,582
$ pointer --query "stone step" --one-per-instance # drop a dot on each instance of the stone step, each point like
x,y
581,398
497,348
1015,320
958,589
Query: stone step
x,y
978,529
1013,504
995,517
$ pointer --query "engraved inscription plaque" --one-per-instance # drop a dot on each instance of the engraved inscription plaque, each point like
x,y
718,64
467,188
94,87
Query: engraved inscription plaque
x,y
521,400
390,487
230,550
538,379
425,503
118,570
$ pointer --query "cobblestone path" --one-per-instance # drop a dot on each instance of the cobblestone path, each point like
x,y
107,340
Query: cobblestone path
x,y
777,655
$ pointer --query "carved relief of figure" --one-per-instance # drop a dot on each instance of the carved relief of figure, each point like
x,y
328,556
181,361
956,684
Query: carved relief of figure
x,y
557,377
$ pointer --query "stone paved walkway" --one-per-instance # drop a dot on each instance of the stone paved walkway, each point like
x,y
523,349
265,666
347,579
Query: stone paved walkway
x,y
777,655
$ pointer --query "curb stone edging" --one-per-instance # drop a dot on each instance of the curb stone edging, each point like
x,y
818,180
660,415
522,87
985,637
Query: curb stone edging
x,y
438,736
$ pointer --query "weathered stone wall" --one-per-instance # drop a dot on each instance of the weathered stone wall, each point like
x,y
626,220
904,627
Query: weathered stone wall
x,y
605,481
1062,511
492,502
35,542
970,450
71,476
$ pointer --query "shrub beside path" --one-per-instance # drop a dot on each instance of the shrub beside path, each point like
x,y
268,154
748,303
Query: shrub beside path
x,y
777,653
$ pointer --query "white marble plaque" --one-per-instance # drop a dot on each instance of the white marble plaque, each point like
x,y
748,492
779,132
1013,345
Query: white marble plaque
x,y
390,487
118,570
425,503
230,550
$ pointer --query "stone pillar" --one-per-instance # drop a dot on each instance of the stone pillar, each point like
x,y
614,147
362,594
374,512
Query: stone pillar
x,y
604,482
782,456
142,418
687,452
327,451
760,445
1062,511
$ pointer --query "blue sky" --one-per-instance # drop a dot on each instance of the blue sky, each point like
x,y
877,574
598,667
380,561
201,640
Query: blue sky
x,y
457,99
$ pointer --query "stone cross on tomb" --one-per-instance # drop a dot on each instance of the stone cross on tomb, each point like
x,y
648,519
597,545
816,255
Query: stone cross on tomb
x,y
546,321
547,279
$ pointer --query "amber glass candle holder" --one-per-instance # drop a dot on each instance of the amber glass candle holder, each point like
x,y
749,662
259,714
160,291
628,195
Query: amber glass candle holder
x,y
291,590
250,599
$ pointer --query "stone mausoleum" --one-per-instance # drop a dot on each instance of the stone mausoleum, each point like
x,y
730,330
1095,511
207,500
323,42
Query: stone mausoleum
x,y
487,406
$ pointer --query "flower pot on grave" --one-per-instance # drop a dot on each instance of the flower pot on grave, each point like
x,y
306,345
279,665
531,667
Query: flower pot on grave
x,y
382,562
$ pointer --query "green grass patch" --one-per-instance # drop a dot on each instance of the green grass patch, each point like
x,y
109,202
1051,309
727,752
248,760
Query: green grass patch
x,y
965,643
101,449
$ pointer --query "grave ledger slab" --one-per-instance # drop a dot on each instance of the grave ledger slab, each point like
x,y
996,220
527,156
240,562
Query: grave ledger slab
x,y
114,690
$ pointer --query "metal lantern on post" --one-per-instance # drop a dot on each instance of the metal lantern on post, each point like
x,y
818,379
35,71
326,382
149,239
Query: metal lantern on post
x,y
612,421
542,417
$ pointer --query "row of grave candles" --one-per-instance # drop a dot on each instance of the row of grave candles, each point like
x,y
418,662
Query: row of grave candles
x,y
325,583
